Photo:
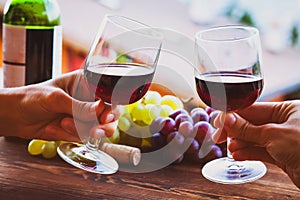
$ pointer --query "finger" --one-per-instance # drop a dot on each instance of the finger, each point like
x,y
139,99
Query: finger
x,y
68,125
77,127
239,128
236,144
107,115
261,112
97,133
84,111
73,83
84,129
109,129
219,120
54,133
87,111
253,153
219,136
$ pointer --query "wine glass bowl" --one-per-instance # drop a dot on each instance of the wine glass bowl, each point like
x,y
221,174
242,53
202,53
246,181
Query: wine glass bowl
x,y
228,78
121,63
118,70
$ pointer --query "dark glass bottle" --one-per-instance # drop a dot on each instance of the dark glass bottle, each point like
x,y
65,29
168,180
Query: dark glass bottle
x,y
32,41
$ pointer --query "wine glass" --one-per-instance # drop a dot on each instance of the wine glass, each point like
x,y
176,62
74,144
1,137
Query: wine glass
x,y
228,78
118,70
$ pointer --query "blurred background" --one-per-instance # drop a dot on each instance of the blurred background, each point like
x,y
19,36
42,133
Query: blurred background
x,y
278,22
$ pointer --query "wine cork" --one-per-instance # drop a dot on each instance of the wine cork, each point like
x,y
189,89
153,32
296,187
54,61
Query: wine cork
x,y
122,153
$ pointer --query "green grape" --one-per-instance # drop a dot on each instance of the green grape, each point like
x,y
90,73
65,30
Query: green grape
x,y
146,144
126,115
124,123
152,97
59,143
172,101
138,112
147,118
130,107
35,146
151,112
166,111
49,150
121,109
131,138
122,58
113,139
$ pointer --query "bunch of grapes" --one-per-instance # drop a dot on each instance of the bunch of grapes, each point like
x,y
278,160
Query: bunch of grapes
x,y
190,134
133,124
42,147
157,121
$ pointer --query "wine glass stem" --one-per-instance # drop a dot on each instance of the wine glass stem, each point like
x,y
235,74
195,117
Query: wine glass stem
x,y
93,144
234,168
229,155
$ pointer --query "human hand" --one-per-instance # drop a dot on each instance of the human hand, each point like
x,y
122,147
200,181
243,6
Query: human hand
x,y
264,131
58,109
101,122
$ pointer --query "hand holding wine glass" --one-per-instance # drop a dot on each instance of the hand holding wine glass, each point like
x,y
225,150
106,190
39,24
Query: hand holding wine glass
x,y
271,129
228,78
118,70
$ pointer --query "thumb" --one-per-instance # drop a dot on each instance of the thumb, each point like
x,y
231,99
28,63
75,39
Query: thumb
x,y
239,128
85,111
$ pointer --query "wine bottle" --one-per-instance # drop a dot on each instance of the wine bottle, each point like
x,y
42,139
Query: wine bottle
x,y
32,41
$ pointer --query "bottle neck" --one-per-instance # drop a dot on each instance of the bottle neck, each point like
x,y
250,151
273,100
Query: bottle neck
x,y
32,13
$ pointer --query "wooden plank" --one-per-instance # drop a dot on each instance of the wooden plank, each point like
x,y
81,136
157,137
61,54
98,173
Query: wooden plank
x,y
23,176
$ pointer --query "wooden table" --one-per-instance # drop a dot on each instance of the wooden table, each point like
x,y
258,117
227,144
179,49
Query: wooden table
x,y
23,176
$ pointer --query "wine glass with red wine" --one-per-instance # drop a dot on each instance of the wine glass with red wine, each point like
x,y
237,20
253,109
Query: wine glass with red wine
x,y
228,78
118,70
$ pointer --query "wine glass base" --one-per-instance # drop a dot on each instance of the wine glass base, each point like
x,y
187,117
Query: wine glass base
x,y
91,161
245,171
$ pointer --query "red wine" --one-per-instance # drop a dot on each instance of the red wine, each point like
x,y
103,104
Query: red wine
x,y
228,91
119,83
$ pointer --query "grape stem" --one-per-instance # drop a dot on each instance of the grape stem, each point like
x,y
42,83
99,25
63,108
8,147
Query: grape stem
x,y
187,100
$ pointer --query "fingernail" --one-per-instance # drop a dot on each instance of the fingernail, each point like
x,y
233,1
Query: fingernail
x,y
98,133
230,119
109,118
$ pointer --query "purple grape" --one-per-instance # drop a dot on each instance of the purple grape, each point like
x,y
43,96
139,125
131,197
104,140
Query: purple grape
x,y
193,145
203,131
168,126
175,137
177,112
156,125
158,141
179,159
214,153
212,116
174,148
182,118
208,110
196,110
200,115
186,129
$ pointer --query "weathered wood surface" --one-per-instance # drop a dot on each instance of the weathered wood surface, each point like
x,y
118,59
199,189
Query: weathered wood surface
x,y
32,177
